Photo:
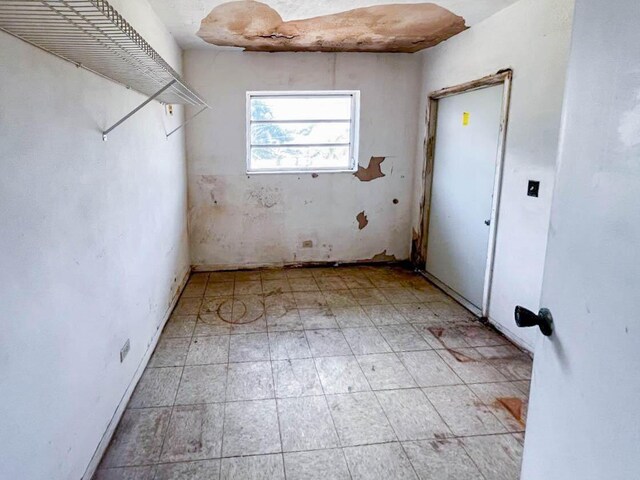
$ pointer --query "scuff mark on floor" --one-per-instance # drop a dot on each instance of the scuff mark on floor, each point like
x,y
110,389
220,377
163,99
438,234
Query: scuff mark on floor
x,y
372,171
436,331
362,219
460,357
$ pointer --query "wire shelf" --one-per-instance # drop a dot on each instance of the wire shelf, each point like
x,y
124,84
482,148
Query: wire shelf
x,y
93,35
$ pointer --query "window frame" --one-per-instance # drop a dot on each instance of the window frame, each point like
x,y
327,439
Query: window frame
x,y
353,138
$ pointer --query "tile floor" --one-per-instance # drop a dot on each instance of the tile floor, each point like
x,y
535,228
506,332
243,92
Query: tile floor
x,y
323,373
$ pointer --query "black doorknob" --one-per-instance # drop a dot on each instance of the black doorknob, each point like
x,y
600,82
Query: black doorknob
x,y
526,318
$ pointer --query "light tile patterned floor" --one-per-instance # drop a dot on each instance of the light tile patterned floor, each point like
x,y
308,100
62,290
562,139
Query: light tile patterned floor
x,y
323,373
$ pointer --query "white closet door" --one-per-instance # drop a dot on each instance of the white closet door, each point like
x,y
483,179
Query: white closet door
x,y
467,132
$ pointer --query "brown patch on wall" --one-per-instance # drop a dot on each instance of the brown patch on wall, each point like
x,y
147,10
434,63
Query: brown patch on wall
x,y
513,405
372,171
255,26
418,244
383,257
362,220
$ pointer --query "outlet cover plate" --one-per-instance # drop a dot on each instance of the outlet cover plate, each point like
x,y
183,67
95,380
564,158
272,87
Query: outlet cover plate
x,y
124,350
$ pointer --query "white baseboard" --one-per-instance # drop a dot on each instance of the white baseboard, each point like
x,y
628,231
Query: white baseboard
x,y
461,300
512,338
250,266
117,415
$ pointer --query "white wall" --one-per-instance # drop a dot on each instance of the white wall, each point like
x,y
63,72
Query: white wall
x,y
93,248
532,38
240,220
583,421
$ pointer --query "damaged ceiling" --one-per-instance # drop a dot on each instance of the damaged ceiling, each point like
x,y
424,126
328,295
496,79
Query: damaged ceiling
x,y
304,25
256,26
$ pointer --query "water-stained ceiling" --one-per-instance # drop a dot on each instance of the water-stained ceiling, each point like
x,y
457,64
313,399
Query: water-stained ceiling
x,y
255,26
306,25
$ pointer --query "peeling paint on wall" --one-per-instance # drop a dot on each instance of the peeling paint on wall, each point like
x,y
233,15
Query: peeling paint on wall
x,y
383,257
372,171
265,220
362,220
256,26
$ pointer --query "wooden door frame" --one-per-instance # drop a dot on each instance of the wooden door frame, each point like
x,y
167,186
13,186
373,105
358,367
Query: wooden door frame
x,y
420,239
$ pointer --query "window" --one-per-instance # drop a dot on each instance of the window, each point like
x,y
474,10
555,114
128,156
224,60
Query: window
x,y
302,131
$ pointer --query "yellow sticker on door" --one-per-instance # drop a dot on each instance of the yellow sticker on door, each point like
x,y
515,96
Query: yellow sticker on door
x,y
465,118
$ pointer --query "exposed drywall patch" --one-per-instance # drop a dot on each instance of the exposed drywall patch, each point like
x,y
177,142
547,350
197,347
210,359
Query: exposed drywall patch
x,y
372,171
383,257
362,220
255,26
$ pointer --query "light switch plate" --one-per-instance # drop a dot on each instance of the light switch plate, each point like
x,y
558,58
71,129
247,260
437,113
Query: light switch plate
x,y
124,350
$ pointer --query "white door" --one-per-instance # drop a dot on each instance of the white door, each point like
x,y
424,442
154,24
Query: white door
x,y
466,144
584,412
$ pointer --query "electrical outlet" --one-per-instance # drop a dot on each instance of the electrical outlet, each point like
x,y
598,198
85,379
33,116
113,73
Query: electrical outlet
x,y
124,350
533,188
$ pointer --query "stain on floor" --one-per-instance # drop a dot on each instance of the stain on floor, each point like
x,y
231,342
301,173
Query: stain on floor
x,y
514,406
264,371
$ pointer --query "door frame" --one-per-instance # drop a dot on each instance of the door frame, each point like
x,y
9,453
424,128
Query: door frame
x,y
420,239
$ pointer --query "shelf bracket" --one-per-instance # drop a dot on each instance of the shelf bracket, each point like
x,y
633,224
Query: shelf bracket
x,y
187,120
132,112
